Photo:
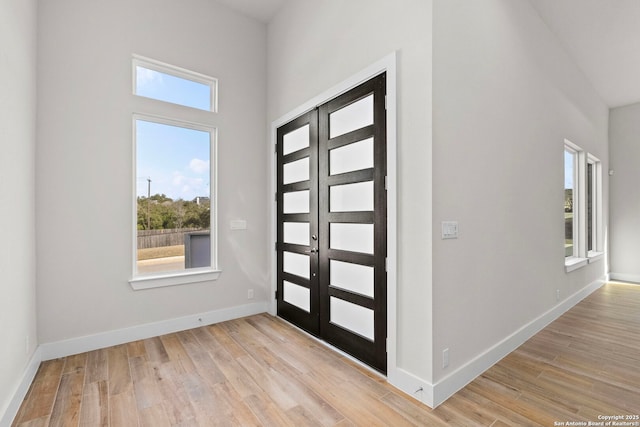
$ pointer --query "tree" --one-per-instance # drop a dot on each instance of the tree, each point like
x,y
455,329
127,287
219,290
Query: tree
x,y
161,212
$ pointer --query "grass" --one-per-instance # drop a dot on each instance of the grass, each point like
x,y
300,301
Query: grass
x,y
161,252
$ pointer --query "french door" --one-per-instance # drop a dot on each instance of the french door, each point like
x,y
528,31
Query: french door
x,y
331,222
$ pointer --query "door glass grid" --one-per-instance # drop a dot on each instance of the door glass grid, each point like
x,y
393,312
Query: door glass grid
x,y
295,202
297,295
352,317
356,197
296,233
351,157
351,237
351,277
295,140
352,117
295,171
296,264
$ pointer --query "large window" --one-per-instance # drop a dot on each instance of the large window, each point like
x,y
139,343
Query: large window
x,y
582,207
175,199
571,202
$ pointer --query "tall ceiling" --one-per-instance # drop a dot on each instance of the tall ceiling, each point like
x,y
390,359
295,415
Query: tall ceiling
x,y
262,10
602,37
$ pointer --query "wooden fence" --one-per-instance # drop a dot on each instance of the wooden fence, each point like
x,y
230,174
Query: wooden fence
x,y
159,238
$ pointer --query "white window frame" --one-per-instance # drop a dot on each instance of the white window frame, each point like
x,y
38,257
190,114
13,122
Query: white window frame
x,y
597,247
179,72
192,275
578,259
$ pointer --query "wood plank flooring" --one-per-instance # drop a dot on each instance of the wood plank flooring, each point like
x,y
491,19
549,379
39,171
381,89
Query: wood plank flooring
x,y
259,371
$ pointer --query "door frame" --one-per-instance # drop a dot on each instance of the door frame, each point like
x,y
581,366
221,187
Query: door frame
x,y
388,65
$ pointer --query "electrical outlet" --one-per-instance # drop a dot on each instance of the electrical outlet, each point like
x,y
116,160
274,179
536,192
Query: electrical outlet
x,y
250,294
445,358
26,349
557,294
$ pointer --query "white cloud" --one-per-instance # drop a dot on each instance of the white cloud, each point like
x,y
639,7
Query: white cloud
x,y
178,179
199,166
145,76
186,187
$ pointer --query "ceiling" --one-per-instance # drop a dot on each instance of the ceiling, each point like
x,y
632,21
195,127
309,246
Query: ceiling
x,y
602,37
262,10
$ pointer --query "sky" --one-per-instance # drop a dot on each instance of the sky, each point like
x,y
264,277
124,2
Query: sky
x,y
568,170
175,159
165,87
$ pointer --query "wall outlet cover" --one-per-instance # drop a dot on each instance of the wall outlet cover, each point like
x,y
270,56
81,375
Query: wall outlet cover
x,y
449,229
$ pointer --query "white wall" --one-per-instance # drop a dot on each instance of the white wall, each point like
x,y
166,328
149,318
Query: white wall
x,y
316,45
84,158
17,214
624,152
505,98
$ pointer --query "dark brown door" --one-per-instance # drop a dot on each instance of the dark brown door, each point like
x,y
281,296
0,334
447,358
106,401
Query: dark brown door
x,y
332,237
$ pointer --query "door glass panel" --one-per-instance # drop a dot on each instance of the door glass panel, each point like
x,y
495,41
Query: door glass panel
x,y
295,140
297,295
296,264
352,157
351,237
296,202
352,117
296,171
351,277
296,233
351,197
352,317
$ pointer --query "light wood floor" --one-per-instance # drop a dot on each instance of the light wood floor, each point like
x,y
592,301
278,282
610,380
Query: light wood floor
x,y
260,371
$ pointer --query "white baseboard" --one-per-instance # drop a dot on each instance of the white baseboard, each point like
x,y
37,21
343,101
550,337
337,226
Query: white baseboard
x,y
623,277
433,395
411,385
449,385
430,394
83,344
148,330
23,388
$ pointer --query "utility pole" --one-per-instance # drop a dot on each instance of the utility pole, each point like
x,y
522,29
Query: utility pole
x,y
148,203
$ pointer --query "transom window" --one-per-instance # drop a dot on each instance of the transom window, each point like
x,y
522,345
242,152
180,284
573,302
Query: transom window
x,y
164,82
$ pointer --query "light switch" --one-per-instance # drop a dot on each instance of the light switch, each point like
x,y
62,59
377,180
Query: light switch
x,y
238,224
449,229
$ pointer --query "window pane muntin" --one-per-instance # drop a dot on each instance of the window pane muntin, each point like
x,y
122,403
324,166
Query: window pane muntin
x,y
171,138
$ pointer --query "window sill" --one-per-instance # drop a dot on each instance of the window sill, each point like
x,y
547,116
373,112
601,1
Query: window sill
x,y
573,263
595,256
174,279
